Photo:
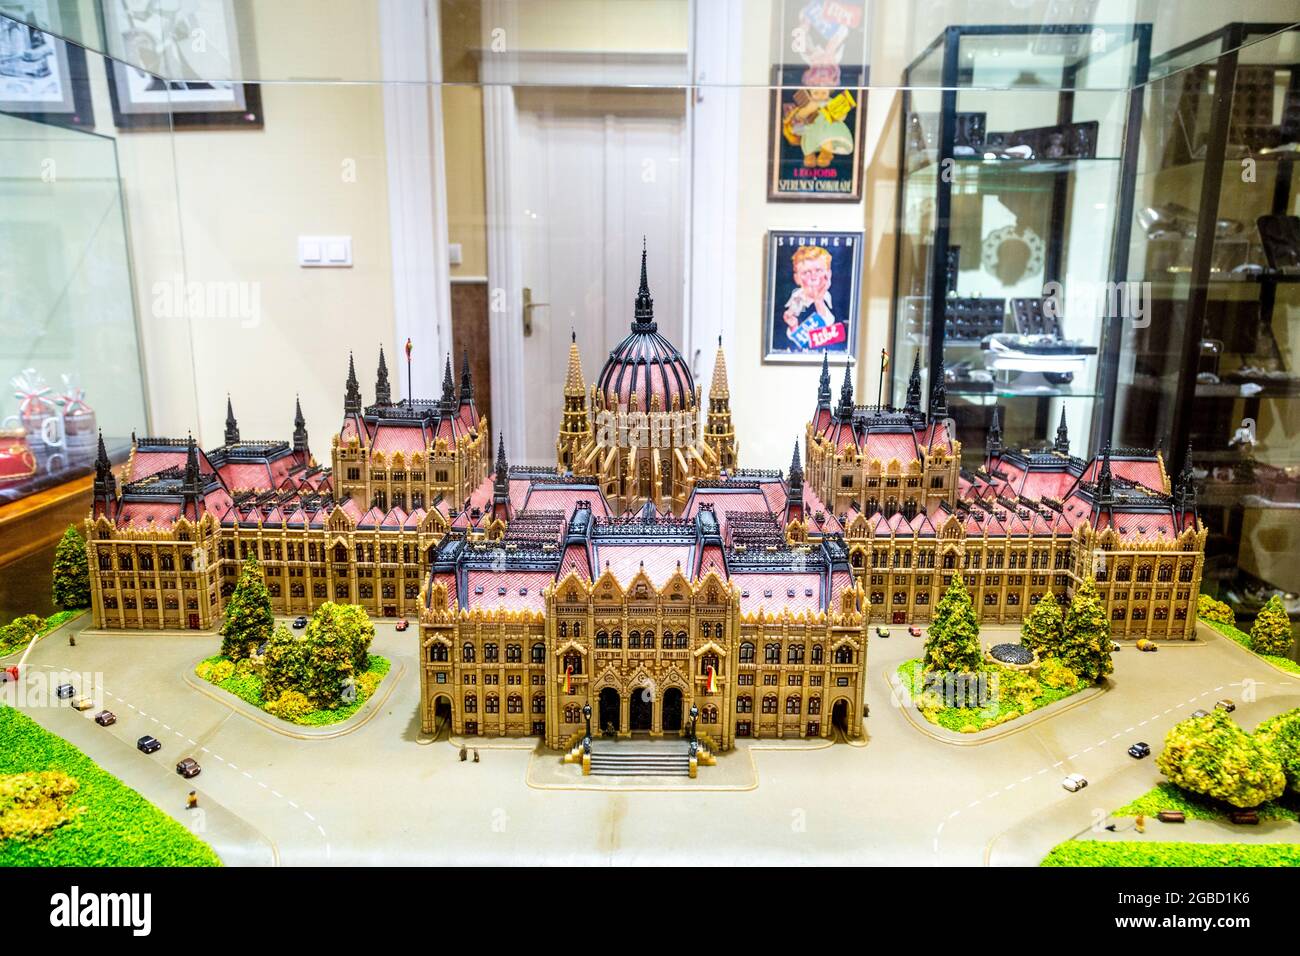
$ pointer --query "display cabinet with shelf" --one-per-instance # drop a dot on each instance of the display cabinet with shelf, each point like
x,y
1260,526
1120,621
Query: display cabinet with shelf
x,y
1212,370
1017,161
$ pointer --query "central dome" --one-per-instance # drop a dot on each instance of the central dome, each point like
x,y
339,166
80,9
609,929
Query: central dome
x,y
646,364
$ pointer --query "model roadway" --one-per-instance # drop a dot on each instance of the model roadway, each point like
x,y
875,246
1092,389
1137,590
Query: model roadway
x,y
378,792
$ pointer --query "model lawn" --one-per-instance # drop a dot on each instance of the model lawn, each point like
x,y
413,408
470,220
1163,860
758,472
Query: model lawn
x,y
960,687
58,808
317,677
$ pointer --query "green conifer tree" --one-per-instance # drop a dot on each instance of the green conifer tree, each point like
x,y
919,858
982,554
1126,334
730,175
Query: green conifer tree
x,y
1085,645
1041,630
953,640
71,583
1271,632
249,621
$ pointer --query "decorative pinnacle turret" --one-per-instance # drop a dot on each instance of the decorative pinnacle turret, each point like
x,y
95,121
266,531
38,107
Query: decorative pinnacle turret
x,y
719,387
939,396
995,434
844,411
232,426
466,379
1062,443
644,314
824,383
299,427
1105,489
796,466
383,391
503,468
352,391
573,381
448,385
913,403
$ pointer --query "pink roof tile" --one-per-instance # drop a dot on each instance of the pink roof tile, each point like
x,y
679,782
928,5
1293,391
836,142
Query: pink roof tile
x,y
660,561
513,582
771,592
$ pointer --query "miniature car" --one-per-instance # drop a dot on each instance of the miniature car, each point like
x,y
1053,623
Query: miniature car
x,y
882,632
1171,816
82,703
1139,750
403,624
1200,713
9,673
1074,782
148,745
1144,645
105,718
1244,817
189,767
300,622
65,691
1116,647
914,631
1225,705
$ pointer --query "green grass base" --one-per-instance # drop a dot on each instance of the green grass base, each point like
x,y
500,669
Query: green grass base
x,y
248,688
1167,796
54,620
117,826
1155,853
961,719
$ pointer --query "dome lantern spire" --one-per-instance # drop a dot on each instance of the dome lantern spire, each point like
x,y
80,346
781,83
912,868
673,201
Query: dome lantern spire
x,y
644,316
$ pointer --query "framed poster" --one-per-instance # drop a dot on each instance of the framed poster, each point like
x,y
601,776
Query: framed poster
x,y
813,280
819,84
42,77
195,44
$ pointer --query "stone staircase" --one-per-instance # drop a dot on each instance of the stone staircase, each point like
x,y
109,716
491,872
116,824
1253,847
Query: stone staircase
x,y
635,758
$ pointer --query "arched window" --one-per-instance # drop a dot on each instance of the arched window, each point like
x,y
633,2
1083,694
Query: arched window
x,y
514,704
792,704
794,654
707,661
563,629
682,641
648,640
772,654
616,639
539,653
709,714
814,705
438,652
573,661
634,639
844,655
817,654
746,653
539,703
572,714
489,653
602,639
471,704
467,653
744,705
769,704
514,654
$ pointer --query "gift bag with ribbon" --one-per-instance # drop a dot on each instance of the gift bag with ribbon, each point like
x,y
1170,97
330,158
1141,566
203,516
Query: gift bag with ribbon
x,y
16,460
39,416
79,425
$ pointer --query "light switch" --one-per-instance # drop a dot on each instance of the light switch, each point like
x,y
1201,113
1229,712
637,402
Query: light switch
x,y
325,251
455,254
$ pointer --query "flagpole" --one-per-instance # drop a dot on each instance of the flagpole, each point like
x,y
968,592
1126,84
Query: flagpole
x,y
880,385
410,385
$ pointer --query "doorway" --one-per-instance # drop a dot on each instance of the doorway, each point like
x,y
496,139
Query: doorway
x,y
672,710
840,716
641,709
602,169
610,718
441,715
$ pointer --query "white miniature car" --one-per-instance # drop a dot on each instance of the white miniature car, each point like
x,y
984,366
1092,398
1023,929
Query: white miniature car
x,y
1074,782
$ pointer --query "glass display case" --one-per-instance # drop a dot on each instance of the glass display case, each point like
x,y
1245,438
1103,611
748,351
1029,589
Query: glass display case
x,y
1212,371
1017,161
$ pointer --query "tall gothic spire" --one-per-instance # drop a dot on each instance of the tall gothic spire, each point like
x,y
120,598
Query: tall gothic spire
x,y
299,428
796,468
466,379
719,388
448,387
352,391
1185,492
844,411
994,443
502,467
1105,488
1062,443
383,391
913,404
232,426
644,315
939,396
105,487
573,380
824,383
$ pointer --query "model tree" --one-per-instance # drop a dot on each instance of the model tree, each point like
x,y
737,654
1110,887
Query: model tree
x,y
285,664
1208,609
1214,757
953,641
1282,735
249,621
1271,632
338,645
1085,644
1041,631
71,572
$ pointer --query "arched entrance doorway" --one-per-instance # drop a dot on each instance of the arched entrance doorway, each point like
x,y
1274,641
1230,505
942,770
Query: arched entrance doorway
x,y
672,710
609,711
441,715
840,716
641,709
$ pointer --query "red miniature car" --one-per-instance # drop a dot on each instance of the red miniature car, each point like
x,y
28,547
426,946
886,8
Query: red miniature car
x,y
914,630
403,624
10,673
188,767
105,718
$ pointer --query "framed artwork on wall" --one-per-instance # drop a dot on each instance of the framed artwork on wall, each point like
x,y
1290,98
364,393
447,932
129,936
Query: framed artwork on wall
x,y
42,77
813,281
819,80
177,66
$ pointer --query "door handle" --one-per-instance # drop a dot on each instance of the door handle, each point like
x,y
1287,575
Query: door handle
x,y
529,305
